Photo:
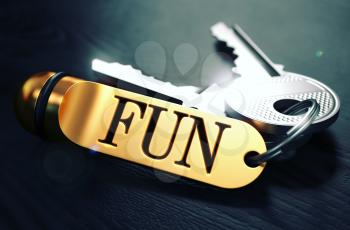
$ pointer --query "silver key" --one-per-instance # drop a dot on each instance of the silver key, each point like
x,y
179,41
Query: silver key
x,y
264,89
186,94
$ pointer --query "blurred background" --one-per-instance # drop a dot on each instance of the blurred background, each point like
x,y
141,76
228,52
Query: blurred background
x,y
47,185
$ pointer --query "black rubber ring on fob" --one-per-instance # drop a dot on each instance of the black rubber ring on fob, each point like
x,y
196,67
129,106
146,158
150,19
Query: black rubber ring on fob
x,y
42,101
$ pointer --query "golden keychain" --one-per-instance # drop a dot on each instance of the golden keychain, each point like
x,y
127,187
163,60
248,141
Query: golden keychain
x,y
146,130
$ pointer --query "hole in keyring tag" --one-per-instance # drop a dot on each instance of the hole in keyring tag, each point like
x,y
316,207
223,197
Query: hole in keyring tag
x,y
249,155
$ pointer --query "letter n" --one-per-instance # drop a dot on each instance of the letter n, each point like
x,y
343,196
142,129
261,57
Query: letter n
x,y
208,155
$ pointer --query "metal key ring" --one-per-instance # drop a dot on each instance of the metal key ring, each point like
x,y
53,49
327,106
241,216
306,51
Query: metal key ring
x,y
313,109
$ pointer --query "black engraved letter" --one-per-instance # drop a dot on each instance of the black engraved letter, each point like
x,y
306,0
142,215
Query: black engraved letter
x,y
209,156
117,119
150,131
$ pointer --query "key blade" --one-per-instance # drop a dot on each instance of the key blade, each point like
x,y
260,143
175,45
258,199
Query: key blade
x,y
251,61
269,66
127,73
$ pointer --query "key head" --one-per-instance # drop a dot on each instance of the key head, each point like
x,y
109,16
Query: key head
x,y
261,102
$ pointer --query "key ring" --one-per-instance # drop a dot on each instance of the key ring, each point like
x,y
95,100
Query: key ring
x,y
313,109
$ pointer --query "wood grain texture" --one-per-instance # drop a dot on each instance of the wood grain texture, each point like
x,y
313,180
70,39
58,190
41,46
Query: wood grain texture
x,y
56,186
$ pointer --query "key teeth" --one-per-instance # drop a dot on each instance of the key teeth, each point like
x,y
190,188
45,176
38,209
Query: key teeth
x,y
235,72
279,67
216,32
130,68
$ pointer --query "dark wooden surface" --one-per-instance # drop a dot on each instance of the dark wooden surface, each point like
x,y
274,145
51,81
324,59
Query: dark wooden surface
x,y
54,186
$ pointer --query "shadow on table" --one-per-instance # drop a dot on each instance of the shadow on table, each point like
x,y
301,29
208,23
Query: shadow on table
x,y
313,165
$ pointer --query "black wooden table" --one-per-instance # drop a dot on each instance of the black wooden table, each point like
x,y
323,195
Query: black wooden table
x,y
47,185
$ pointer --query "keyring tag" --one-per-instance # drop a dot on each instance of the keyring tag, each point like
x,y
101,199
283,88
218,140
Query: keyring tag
x,y
160,134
